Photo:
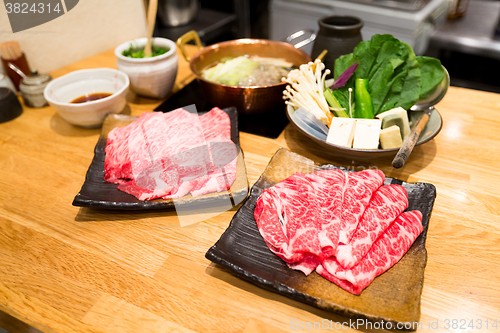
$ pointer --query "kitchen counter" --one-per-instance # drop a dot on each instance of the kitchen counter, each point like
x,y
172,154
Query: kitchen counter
x,y
70,269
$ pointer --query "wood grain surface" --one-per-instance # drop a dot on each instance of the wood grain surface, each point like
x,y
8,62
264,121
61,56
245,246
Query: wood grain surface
x,y
70,269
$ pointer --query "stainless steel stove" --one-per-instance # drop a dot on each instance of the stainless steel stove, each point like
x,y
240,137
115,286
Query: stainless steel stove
x,y
412,21
407,5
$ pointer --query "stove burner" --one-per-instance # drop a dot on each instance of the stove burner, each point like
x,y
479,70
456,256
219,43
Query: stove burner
x,y
269,124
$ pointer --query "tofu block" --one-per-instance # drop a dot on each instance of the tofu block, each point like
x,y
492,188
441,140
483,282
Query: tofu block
x,y
341,131
367,134
390,137
397,116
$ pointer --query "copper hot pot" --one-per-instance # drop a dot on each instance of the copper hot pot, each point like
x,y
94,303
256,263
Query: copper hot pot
x,y
254,99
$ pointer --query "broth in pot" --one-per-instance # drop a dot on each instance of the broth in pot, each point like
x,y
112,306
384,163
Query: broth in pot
x,y
246,71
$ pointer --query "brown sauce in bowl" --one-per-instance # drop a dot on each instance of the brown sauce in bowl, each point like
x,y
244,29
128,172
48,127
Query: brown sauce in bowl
x,y
90,97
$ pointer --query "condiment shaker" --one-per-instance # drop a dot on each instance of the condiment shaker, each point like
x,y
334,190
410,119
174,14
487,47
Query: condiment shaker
x,y
32,88
11,53
457,9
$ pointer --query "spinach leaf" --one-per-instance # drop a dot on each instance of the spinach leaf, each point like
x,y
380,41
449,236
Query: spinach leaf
x,y
432,73
390,57
405,84
344,77
342,94
396,76
341,65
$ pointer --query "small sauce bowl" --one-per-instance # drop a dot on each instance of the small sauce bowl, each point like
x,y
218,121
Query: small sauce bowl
x,y
61,91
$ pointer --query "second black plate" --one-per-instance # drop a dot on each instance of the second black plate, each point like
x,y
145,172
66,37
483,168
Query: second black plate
x,y
393,297
98,193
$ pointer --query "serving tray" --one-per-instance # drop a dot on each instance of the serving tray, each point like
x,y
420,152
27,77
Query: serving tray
x,y
98,193
393,297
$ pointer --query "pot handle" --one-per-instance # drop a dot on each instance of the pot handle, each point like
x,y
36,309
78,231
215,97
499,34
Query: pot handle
x,y
184,39
300,33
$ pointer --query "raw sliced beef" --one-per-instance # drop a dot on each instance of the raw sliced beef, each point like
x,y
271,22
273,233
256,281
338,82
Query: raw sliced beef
x,y
118,163
385,206
286,219
328,186
384,253
167,155
224,160
358,190
223,152
163,152
307,264
216,125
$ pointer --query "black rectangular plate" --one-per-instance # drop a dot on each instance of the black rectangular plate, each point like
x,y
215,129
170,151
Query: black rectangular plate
x,y
98,193
392,297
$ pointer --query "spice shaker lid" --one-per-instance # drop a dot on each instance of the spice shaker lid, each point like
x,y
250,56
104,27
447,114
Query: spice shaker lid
x,y
36,79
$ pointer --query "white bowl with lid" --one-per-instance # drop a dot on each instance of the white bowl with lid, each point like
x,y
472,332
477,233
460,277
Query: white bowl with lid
x,y
32,88
60,93
153,76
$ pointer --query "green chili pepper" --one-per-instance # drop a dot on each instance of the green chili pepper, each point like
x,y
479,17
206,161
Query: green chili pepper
x,y
364,106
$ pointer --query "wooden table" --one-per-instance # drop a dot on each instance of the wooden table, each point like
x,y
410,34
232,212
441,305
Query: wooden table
x,y
70,269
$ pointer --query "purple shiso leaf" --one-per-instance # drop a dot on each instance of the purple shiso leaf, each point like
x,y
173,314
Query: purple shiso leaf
x,y
344,77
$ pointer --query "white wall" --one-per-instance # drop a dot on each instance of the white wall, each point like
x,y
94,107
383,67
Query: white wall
x,y
91,27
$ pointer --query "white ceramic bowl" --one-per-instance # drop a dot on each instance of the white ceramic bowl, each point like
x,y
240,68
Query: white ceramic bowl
x,y
62,90
151,77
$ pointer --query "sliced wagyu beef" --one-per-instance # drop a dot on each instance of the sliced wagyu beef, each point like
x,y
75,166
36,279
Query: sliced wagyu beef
x,y
384,253
286,219
223,153
358,190
168,155
346,226
328,186
385,206
341,200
